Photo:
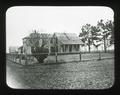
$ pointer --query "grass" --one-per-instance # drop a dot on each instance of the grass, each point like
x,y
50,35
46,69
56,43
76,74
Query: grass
x,y
76,57
74,75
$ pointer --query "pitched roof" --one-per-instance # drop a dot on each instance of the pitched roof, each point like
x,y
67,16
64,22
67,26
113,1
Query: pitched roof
x,y
38,35
27,37
20,47
68,38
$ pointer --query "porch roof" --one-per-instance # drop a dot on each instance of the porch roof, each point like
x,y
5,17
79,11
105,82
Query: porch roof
x,y
68,38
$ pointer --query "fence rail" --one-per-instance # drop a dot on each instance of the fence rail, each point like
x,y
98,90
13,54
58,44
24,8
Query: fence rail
x,y
58,57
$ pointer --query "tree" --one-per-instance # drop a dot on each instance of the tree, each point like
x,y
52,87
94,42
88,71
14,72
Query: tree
x,y
106,30
86,35
36,48
95,36
110,28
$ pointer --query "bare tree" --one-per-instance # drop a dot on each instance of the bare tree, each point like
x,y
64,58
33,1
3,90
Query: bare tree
x,y
38,48
86,35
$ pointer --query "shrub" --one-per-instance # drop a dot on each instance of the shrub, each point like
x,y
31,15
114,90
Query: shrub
x,y
38,53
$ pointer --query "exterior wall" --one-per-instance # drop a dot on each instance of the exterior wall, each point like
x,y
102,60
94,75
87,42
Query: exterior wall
x,y
75,48
26,47
20,50
27,50
69,48
59,48
66,48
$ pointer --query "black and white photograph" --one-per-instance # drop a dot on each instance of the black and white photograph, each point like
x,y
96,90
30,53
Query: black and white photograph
x,y
60,47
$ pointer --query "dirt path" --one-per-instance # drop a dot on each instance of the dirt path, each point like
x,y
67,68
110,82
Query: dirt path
x,y
14,79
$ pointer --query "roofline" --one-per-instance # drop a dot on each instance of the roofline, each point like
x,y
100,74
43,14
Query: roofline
x,y
71,44
20,46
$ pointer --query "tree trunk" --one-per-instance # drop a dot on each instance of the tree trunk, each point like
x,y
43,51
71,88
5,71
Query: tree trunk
x,y
89,45
104,44
97,48
89,48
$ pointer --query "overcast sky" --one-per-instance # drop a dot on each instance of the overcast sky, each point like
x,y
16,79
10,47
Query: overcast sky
x,y
20,21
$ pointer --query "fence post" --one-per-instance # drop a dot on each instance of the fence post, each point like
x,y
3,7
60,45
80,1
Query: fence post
x,y
56,56
80,56
12,57
15,57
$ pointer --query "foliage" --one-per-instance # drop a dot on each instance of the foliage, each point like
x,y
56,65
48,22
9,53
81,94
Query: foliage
x,y
38,50
110,28
86,35
107,31
42,53
91,35
95,36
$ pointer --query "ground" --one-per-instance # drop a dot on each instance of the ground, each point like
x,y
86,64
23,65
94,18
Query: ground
x,y
76,57
72,75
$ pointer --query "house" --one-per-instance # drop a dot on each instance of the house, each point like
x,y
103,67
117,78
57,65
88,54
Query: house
x,y
35,39
58,42
13,49
20,50
65,42
26,45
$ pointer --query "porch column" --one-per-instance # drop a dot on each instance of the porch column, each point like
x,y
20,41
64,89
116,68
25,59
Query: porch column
x,y
72,48
64,48
68,48
61,49
79,47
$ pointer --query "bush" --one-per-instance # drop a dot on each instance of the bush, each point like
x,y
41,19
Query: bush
x,y
40,50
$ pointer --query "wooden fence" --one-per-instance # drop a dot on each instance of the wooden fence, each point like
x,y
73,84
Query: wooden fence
x,y
57,57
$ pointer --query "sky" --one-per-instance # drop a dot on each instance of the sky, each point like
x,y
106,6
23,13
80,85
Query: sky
x,y
22,20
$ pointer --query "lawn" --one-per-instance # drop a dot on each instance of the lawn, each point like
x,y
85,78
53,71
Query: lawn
x,y
76,57
72,75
